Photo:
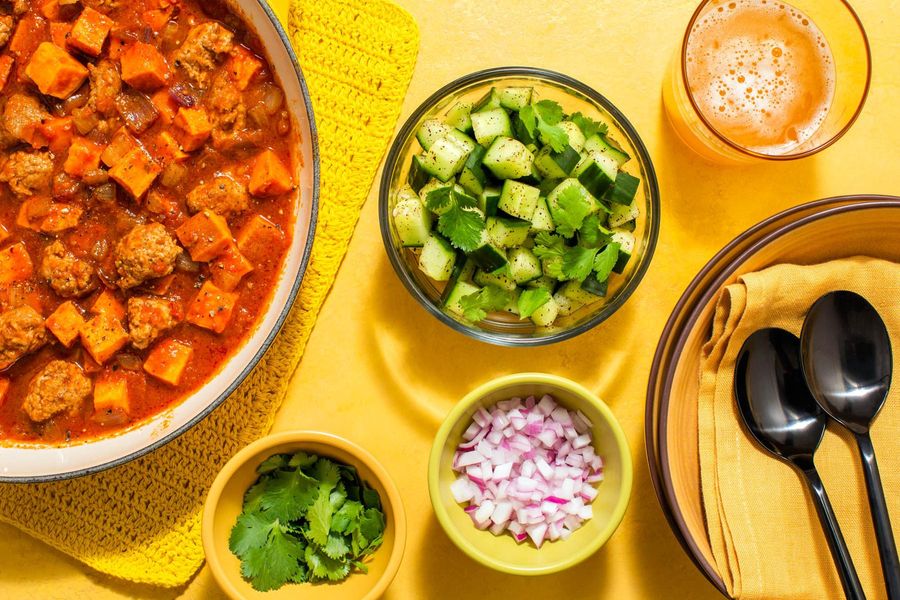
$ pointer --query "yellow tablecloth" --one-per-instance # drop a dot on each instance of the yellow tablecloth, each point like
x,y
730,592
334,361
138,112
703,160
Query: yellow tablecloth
x,y
382,372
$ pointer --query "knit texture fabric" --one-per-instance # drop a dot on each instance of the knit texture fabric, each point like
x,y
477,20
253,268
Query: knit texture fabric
x,y
141,521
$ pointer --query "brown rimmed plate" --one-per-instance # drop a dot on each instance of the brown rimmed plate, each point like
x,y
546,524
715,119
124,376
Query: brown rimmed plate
x,y
811,233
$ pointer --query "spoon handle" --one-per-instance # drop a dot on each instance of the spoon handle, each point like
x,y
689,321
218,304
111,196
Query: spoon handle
x,y
839,552
887,548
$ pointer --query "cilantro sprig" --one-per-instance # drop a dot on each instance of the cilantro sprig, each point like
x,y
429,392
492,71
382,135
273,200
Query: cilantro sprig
x,y
544,118
488,299
587,125
459,221
306,518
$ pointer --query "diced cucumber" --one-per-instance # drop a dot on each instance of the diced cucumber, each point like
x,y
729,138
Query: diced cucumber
x,y
625,239
418,176
606,163
489,101
513,306
576,294
445,158
547,283
593,178
491,124
487,256
432,185
507,233
518,199
550,265
590,203
467,143
460,116
592,286
541,219
556,164
565,305
524,266
548,185
515,98
603,144
520,131
484,278
405,192
620,214
457,292
508,158
546,314
624,189
437,258
488,201
430,131
413,222
576,137
472,177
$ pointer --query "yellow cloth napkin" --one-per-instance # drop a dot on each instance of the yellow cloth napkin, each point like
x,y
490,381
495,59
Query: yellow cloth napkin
x,y
762,525
141,521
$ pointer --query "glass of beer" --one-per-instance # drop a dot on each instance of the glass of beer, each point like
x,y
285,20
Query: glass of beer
x,y
767,79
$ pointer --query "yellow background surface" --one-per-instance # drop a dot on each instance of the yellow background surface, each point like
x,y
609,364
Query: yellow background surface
x,y
382,372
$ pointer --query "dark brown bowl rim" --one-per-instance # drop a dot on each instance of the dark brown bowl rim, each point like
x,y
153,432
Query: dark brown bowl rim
x,y
655,435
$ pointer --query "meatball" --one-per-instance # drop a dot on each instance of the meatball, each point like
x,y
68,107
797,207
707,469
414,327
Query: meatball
x,y
21,331
69,276
59,387
28,173
20,7
147,252
6,28
22,114
149,317
106,83
200,50
223,195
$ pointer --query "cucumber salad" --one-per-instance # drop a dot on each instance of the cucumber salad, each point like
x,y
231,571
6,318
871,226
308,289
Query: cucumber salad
x,y
518,207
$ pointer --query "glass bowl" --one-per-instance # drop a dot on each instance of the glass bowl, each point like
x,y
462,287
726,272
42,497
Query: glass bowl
x,y
503,328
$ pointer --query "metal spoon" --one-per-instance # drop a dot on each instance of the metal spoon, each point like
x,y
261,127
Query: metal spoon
x,y
780,413
846,354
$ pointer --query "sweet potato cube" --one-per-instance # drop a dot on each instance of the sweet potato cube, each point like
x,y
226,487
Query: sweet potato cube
x,y
143,67
192,128
6,65
54,71
103,336
89,31
205,235
111,393
4,233
4,389
84,156
59,33
228,268
65,323
29,32
15,264
32,211
136,172
61,217
119,146
168,360
107,303
243,67
269,176
211,308
258,237
165,104
157,18
50,9
58,133
167,149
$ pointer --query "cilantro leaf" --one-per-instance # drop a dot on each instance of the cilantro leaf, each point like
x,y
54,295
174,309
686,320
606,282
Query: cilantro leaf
x,y
590,235
489,298
319,516
301,460
288,494
323,567
438,199
273,463
346,516
336,547
606,261
571,209
370,498
531,300
553,135
371,525
578,262
275,563
251,531
547,245
253,497
549,111
552,267
328,475
587,125
459,224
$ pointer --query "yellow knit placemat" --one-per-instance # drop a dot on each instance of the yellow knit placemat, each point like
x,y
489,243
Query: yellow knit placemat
x,y
141,521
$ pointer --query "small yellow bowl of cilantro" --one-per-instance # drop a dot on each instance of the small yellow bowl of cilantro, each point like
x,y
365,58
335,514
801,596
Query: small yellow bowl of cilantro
x,y
519,206
303,513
